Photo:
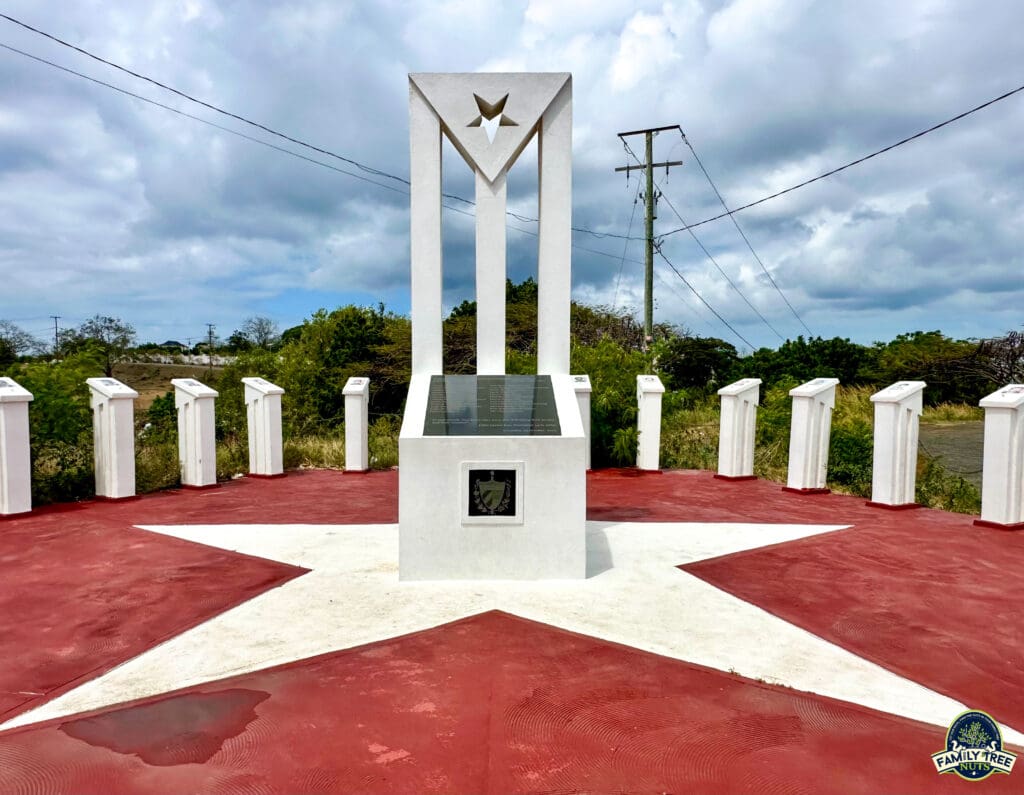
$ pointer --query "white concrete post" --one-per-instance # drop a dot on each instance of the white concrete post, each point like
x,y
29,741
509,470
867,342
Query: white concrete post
x,y
897,421
113,433
263,412
357,418
15,457
426,309
581,386
736,429
490,275
1002,479
649,390
554,232
197,443
809,434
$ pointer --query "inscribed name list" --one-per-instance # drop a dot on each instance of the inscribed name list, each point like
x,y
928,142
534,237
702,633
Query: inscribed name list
x,y
491,405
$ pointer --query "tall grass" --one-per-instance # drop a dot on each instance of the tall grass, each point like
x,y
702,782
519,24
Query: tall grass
x,y
952,412
690,430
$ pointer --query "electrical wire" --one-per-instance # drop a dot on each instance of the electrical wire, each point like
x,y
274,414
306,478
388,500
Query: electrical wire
x,y
740,230
287,151
852,163
715,263
694,308
725,322
625,246
708,253
238,117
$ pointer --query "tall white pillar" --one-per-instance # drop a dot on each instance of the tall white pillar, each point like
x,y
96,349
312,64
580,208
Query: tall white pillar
x,y
649,390
113,429
490,275
197,442
894,464
554,252
736,430
425,235
357,418
1002,479
15,451
809,434
581,386
263,412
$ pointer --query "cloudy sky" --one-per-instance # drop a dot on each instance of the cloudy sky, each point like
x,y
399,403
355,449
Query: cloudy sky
x,y
111,205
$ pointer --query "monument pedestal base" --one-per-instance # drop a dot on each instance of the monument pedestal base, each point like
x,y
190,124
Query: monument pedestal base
x,y
473,505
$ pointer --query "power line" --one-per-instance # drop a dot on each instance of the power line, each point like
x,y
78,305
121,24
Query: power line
x,y
694,308
300,156
694,291
198,118
708,253
190,98
625,246
740,230
238,117
850,164
714,262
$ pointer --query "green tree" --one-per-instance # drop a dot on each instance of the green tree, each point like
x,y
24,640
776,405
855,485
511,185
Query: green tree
x,y
108,338
930,356
802,360
15,342
696,362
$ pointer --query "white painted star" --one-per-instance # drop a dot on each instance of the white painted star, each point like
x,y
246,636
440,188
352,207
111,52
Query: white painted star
x,y
634,595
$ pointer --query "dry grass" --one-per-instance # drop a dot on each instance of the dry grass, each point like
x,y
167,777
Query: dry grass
x,y
952,412
317,452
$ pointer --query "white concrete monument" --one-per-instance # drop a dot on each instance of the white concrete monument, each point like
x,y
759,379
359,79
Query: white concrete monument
x,y
1002,480
649,390
263,413
736,430
197,443
492,467
15,456
113,430
809,434
894,464
357,419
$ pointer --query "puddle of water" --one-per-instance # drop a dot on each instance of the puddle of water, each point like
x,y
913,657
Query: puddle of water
x,y
179,730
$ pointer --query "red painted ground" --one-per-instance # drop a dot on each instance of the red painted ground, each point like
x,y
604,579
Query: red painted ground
x,y
82,591
490,704
495,703
924,593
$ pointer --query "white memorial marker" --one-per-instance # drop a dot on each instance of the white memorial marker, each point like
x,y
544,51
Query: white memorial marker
x,y
263,414
113,427
809,434
581,386
197,443
897,422
1002,483
357,418
15,456
649,390
736,430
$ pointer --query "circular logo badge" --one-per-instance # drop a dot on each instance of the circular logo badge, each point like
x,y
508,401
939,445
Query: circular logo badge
x,y
974,748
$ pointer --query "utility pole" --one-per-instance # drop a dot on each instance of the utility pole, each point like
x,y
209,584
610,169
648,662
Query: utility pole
x,y
648,167
56,341
209,344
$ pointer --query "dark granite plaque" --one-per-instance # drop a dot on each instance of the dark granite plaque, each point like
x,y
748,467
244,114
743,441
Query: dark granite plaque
x,y
492,492
491,405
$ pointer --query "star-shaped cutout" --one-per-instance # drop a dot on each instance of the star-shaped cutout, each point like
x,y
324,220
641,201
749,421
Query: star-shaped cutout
x,y
492,116
634,595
